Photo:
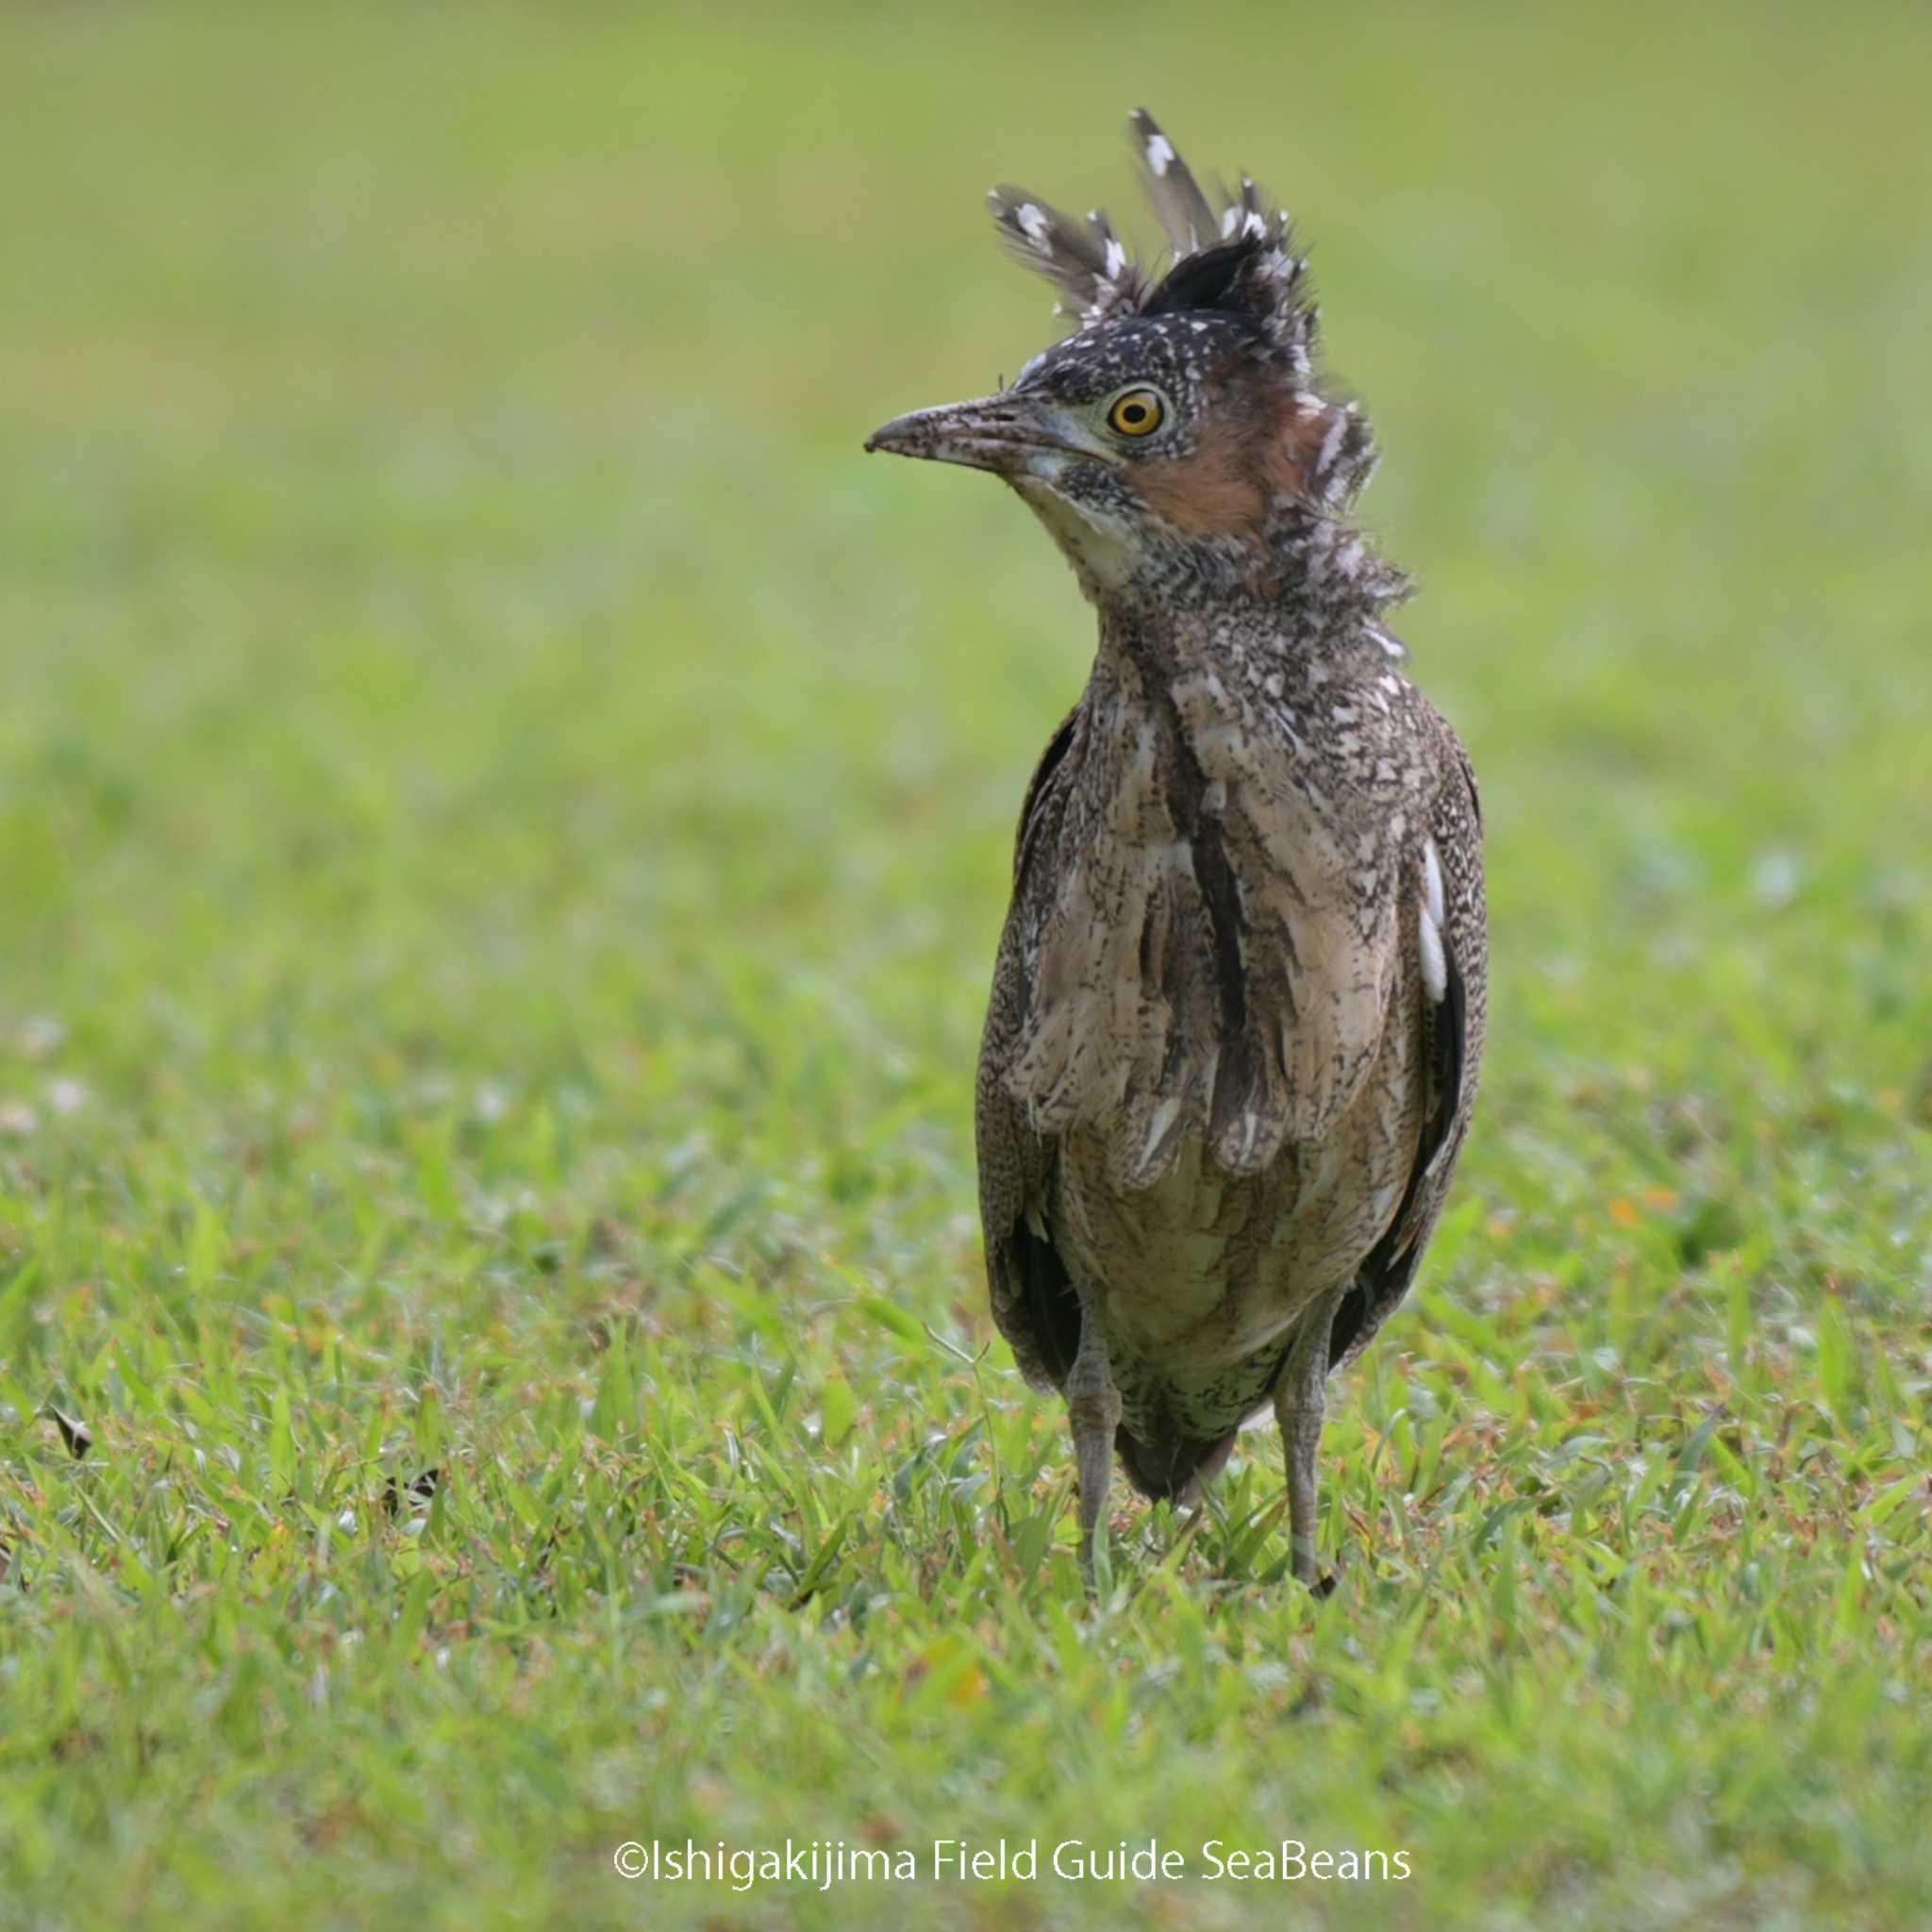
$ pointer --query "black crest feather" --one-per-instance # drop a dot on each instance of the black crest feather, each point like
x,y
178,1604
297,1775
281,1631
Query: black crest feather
x,y
1243,258
1210,280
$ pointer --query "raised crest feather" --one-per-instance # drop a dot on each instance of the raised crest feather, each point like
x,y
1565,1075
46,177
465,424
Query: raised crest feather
x,y
1241,258
1085,261
1176,196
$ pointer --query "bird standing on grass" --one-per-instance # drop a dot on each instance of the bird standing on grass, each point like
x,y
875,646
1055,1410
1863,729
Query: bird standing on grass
x,y
1237,1015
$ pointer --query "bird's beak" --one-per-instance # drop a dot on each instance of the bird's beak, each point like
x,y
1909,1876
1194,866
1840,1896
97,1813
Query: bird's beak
x,y
1011,436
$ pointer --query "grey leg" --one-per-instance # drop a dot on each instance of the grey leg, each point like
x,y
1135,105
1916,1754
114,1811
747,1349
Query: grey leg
x,y
1093,1408
1298,1407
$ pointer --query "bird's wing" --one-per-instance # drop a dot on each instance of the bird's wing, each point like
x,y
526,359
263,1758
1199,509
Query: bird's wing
x,y
1453,957
1033,1300
1209,965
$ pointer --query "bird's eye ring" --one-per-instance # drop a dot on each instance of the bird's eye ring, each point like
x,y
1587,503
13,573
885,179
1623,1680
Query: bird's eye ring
x,y
1136,413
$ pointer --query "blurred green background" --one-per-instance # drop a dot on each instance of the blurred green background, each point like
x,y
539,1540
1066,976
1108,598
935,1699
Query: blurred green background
x,y
503,821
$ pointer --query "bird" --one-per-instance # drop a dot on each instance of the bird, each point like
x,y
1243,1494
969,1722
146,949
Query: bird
x,y
1238,1005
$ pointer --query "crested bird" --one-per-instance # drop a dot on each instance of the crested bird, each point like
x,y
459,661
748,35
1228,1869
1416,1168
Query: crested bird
x,y
1237,1005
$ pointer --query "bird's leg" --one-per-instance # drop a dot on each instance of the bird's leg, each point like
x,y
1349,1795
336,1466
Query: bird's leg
x,y
1298,1407
1093,1408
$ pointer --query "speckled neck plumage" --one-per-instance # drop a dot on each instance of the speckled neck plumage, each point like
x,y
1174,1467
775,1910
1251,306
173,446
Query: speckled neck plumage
x,y
1309,587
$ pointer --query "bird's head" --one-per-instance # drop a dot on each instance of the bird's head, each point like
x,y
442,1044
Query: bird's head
x,y
1178,434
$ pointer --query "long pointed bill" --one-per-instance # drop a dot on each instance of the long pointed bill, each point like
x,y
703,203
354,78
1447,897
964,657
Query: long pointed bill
x,y
1011,437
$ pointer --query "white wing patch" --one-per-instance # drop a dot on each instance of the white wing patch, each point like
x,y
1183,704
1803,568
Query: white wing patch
x,y
1429,924
1165,1115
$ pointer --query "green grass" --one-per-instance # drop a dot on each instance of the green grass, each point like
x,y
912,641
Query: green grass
x,y
503,821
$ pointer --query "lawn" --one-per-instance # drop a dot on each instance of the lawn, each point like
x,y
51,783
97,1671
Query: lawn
x,y
504,815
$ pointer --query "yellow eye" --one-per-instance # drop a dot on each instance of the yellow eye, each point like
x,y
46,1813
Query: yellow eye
x,y
1137,412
